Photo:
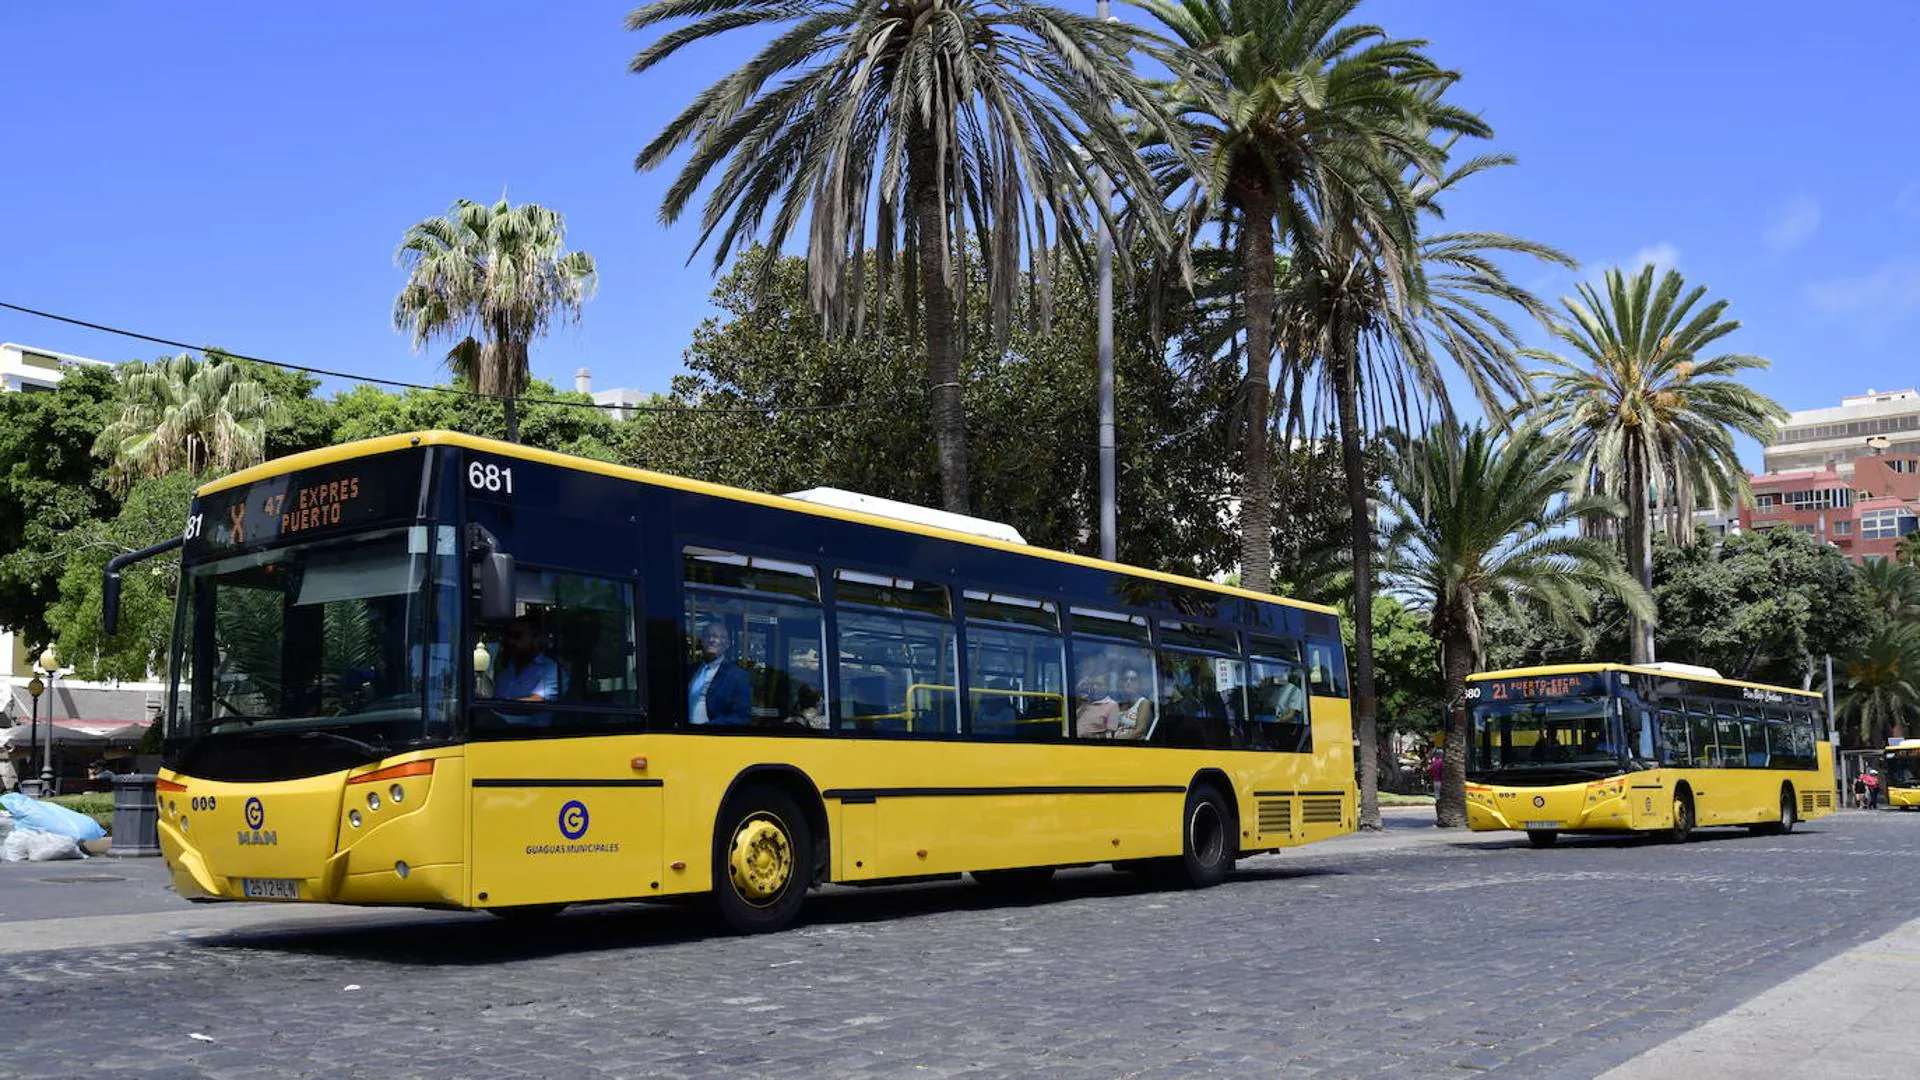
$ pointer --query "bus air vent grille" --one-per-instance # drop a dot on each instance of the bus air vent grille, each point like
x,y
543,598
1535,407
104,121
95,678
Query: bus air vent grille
x,y
1806,802
1276,815
1824,800
1320,811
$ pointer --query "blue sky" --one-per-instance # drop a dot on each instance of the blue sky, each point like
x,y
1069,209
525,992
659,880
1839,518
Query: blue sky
x,y
239,174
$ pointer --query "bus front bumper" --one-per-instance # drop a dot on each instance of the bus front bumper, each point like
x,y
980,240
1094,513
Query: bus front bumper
x,y
1600,806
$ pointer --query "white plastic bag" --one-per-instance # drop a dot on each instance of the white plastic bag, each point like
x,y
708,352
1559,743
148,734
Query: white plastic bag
x,y
38,845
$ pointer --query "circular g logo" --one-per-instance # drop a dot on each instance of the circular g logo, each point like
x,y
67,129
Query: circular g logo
x,y
573,820
256,814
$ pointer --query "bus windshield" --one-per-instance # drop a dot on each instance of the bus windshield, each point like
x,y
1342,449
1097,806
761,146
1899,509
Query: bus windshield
x,y
324,642
1563,735
1902,769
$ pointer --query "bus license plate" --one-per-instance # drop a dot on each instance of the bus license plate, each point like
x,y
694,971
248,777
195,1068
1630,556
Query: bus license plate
x,y
269,888
1543,824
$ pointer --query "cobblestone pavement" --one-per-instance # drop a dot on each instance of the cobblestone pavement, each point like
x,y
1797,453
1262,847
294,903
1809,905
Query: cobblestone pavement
x,y
1433,955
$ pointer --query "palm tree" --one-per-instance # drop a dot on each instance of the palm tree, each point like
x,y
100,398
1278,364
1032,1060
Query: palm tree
x,y
1893,587
1907,551
1383,322
490,279
1881,683
1289,105
941,127
1478,517
183,413
1646,412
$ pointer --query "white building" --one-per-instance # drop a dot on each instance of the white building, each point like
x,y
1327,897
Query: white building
x,y
25,368
621,400
1832,438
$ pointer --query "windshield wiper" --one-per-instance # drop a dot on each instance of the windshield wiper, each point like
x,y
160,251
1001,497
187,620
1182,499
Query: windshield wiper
x,y
365,747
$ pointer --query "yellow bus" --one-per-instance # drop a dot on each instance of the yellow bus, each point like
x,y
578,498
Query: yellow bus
x,y
1900,774
1661,748
443,671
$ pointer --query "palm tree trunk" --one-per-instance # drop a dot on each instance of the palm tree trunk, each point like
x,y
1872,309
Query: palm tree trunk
x,y
1639,549
1360,534
1256,491
1456,660
943,338
513,418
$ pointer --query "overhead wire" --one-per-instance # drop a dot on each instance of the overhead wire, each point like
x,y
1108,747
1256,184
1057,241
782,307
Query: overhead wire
x,y
376,380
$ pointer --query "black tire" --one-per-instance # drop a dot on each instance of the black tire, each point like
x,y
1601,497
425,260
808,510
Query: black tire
x,y
1543,837
763,860
1206,840
527,912
1789,813
1682,829
1025,881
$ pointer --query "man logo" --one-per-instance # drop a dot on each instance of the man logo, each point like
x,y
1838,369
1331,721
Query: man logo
x,y
256,817
1539,800
573,820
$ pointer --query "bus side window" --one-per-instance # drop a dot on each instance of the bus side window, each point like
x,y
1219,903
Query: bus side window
x,y
1674,747
898,656
1640,738
1327,667
755,642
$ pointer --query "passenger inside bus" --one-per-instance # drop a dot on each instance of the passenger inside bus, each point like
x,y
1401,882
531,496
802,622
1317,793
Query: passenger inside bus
x,y
1136,710
1548,748
720,691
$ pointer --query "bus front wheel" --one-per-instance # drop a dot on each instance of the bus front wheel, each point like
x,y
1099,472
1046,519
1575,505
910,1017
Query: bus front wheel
x,y
762,860
1682,818
1206,840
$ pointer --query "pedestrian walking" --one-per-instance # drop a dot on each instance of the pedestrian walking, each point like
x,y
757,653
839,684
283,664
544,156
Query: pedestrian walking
x,y
1860,790
1873,789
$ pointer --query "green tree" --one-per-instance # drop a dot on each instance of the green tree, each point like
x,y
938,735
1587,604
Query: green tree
x,y
153,512
1879,692
774,401
1767,606
179,413
490,279
50,484
1408,660
923,123
1477,515
1649,414
1288,104
547,419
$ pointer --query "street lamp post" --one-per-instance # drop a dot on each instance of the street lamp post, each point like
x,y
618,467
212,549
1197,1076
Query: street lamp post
x,y
50,664
1109,511
34,687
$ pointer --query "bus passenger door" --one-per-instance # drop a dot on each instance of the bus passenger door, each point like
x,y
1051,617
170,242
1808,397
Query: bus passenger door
x,y
551,826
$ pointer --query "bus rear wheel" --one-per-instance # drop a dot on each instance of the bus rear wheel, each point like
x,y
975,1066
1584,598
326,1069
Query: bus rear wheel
x,y
1206,841
1789,817
762,860
1682,818
1542,837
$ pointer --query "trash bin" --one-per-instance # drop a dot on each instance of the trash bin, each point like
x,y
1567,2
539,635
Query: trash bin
x,y
136,816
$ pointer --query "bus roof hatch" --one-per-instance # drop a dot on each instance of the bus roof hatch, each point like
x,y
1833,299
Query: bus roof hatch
x,y
902,511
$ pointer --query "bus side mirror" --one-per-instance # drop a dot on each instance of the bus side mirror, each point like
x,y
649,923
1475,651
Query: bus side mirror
x,y
496,587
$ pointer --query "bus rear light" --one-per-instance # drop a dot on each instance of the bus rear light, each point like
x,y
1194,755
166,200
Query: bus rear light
x,y
394,772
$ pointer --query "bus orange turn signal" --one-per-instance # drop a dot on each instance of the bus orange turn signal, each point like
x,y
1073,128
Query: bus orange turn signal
x,y
395,772
168,785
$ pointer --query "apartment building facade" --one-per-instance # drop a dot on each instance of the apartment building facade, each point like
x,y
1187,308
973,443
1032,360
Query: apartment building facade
x,y
1849,475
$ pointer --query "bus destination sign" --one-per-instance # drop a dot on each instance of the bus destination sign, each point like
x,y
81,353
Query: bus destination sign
x,y
312,502
1536,687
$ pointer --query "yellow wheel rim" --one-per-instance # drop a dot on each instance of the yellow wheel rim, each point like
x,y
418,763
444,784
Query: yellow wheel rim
x,y
760,860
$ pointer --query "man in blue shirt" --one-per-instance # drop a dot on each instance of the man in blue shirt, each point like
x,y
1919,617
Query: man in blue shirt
x,y
720,691
525,673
